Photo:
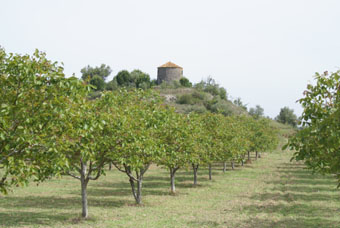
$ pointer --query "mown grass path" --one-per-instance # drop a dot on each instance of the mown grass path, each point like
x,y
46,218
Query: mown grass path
x,y
270,192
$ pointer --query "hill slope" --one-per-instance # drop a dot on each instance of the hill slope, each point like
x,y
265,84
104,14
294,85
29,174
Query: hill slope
x,y
187,100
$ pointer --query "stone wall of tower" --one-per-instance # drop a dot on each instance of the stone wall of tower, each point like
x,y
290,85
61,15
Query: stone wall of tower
x,y
169,74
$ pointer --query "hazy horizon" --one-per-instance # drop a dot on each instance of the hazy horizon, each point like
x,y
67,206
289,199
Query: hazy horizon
x,y
264,52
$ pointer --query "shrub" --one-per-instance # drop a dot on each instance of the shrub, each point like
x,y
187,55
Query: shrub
x,y
196,109
185,82
186,99
199,95
170,85
98,83
112,85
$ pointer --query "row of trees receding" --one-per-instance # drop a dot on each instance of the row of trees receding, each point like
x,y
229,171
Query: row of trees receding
x,y
49,127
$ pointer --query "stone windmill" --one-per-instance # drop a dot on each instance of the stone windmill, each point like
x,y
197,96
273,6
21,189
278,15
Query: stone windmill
x,y
169,72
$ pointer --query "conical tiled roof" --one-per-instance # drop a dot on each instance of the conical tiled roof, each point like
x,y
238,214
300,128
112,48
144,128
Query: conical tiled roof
x,y
170,65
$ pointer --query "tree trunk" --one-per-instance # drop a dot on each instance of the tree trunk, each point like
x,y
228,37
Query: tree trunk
x,y
84,181
110,166
139,191
172,179
136,192
132,183
210,172
256,155
195,168
248,155
242,163
232,165
224,166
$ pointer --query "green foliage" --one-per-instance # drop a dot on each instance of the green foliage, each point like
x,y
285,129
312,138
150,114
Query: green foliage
x,y
170,85
196,109
219,106
176,140
135,79
317,144
210,86
112,85
256,112
200,96
89,72
223,93
263,136
138,122
34,98
287,116
186,99
48,126
123,78
185,82
239,103
98,83
141,79
153,82
193,98
203,103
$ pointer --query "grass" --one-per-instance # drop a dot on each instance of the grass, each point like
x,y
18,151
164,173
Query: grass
x,y
270,192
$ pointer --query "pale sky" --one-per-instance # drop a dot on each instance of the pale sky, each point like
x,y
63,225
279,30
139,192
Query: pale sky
x,y
263,51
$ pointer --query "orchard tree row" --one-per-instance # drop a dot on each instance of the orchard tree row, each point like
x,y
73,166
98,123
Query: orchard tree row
x,y
49,128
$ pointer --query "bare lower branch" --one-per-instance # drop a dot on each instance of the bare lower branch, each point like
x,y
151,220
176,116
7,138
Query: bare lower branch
x,y
118,168
97,176
126,170
74,176
90,171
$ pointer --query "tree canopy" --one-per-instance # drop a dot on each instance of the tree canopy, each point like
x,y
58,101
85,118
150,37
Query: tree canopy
x,y
256,112
287,116
88,72
34,98
317,144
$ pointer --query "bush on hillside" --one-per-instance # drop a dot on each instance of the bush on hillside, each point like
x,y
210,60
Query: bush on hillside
x,y
196,109
170,85
210,86
185,82
186,99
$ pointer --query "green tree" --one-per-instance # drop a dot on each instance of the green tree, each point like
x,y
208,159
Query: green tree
x,y
123,78
287,116
213,138
177,142
235,139
210,86
137,136
199,134
112,85
34,96
140,79
223,93
317,144
256,112
98,83
88,139
89,72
